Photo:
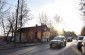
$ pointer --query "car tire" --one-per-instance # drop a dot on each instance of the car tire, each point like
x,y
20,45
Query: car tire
x,y
79,48
71,40
61,45
51,46
65,44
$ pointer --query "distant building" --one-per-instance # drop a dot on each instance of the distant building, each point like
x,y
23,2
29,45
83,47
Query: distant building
x,y
33,34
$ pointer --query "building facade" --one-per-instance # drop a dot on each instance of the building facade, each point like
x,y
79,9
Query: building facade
x,y
33,34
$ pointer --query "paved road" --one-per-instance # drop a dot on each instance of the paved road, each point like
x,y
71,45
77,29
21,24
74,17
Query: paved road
x,y
43,49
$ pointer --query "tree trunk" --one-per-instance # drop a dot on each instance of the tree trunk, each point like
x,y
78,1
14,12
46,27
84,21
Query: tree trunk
x,y
15,33
20,37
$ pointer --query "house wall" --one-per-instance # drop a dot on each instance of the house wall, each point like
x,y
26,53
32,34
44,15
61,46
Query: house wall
x,y
39,35
30,36
33,35
46,34
23,37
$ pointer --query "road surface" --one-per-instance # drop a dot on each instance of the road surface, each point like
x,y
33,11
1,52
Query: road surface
x,y
43,49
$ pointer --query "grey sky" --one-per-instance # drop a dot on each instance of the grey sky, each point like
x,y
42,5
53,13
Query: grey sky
x,y
64,8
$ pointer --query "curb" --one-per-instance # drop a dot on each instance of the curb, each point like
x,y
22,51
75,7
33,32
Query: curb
x,y
18,46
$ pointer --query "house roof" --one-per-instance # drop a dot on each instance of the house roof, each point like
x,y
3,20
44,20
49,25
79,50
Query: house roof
x,y
34,28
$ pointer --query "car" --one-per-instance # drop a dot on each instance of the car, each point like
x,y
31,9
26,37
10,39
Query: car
x,y
83,45
58,41
80,40
69,39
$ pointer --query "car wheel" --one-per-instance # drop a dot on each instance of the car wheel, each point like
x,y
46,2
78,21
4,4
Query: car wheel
x,y
61,45
71,40
65,44
51,46
79,48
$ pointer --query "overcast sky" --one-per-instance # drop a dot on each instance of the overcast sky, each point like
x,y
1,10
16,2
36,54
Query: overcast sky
x,y
66,9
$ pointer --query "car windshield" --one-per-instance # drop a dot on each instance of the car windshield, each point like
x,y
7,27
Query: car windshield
x,y
80,38
69,37
57,38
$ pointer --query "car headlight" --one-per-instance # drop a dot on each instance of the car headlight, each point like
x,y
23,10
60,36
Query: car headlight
x,y
82,44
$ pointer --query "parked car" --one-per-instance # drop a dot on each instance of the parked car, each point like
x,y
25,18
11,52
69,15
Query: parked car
x,y
83,46
58,41
80,40
69,39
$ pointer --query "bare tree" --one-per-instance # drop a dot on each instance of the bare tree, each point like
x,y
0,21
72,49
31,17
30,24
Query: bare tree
x,y
3,11
83,31
10,27
21,16
43,20
82,9
57,19
23,13
16,20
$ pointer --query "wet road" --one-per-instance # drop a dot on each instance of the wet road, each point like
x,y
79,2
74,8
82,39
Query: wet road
x,y
42,49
